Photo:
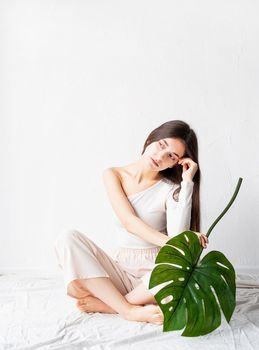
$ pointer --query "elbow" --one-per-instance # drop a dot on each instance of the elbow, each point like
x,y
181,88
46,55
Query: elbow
x,y
128,223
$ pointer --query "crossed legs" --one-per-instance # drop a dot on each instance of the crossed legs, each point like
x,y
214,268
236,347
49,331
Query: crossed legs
x,y
100,295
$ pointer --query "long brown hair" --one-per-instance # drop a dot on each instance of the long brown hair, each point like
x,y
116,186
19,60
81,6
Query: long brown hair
x,y
178,129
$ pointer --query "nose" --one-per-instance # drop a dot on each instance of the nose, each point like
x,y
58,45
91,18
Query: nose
x,y
158,160
160,157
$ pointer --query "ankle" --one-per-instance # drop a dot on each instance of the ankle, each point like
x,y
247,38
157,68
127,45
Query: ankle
x,y
128,313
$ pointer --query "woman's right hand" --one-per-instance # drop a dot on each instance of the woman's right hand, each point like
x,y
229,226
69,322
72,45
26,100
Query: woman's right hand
x,y
189,168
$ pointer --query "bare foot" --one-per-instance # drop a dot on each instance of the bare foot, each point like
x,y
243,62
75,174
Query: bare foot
x,y
92,304
148,313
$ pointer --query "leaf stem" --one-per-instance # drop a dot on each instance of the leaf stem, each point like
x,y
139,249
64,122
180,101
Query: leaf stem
x,y
221,215
227,207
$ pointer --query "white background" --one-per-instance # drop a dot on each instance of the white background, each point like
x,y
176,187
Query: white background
x,y
82,85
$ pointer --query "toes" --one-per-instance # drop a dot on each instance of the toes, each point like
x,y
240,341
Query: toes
x,y
82,301
83,308
159,322
159,311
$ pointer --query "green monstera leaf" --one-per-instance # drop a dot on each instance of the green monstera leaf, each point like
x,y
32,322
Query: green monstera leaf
x,y
189,297
194,292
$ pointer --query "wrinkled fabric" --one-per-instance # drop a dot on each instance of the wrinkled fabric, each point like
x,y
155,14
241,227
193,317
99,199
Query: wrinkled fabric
x,y
81,258
35,313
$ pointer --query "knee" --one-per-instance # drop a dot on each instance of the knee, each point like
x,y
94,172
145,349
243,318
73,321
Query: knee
x,y
77,289
67,237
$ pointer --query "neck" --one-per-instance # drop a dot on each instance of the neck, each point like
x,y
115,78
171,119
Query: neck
x,y
141,173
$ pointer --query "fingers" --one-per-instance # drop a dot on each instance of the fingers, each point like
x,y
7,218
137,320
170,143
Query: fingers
x,y
203,239
184,162
188,161
188,165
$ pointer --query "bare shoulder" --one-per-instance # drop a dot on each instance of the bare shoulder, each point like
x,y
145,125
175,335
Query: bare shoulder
x,y
113,172
117,195
115,177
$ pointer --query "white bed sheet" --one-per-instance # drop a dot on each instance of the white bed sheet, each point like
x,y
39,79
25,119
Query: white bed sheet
x,y
35,313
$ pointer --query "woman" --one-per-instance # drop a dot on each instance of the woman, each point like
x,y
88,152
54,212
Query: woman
x,y
154,199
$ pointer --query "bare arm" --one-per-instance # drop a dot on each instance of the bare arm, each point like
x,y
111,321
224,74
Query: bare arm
x,y
125,212
147,233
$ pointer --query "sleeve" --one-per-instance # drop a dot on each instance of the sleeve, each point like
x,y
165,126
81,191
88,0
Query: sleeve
x,y
178,214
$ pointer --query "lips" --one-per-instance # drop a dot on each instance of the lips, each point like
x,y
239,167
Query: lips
x,y
154,162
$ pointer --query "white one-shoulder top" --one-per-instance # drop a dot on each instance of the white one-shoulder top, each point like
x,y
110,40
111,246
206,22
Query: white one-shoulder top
x,y
157,208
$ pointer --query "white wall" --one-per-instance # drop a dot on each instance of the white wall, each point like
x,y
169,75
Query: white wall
x,y
82,85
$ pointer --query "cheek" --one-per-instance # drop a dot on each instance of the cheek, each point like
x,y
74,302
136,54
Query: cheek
x,y
150,150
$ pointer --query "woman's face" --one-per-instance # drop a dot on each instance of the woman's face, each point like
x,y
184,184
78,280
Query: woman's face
x,y
164,153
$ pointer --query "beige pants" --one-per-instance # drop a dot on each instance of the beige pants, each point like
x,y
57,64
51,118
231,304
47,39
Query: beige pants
x,y
79,257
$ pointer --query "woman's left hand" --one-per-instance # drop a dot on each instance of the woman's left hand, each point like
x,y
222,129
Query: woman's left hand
x,y
189,168
203,239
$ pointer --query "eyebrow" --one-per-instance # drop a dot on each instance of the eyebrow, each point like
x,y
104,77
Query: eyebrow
x,y
171,152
